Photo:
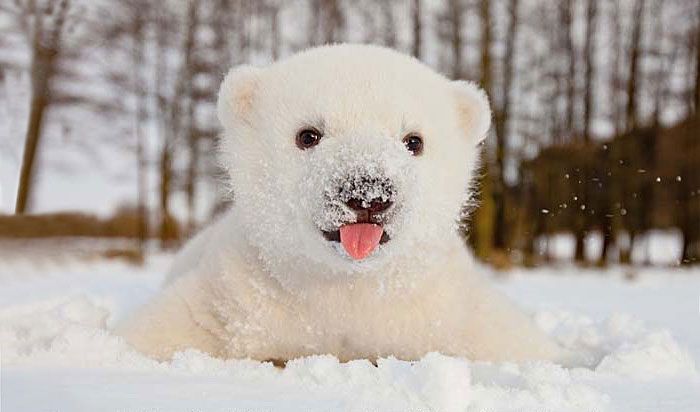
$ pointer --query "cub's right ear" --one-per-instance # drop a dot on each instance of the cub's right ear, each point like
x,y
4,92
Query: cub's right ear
x,y
237,95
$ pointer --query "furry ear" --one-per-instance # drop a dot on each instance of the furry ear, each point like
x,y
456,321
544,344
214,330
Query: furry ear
x,y
237,95
473,110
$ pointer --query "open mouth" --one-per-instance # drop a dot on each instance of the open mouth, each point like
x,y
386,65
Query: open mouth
x,y
358,239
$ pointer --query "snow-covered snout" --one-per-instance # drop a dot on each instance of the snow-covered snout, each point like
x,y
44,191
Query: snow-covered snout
x,y
359,191
348,156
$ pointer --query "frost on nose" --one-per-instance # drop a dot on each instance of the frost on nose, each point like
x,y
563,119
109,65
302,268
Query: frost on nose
x,y
365,191
375,205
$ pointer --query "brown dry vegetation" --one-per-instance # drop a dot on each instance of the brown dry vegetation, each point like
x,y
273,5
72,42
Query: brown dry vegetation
x,y
642,180
123,224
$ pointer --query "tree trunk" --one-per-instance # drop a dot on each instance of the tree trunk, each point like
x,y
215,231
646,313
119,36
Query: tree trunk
x,y
686,254
486,70
389,24
580,251
503,115
39,102
502,119
45,48
567,18
139,120
417,22
633,74
689,201
618,112
660,75
333,21
626,253
691,238
185,97
484,218
192,175
608,237
697,61
275,41
223,40
589,54
456,17
480,228
167,228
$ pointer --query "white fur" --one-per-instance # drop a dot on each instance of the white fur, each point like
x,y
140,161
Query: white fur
x,y
263,283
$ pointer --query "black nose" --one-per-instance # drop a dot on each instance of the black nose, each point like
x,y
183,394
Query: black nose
x,y
367,195
373,206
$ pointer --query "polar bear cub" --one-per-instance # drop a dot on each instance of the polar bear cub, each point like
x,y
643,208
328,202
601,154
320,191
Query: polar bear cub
x,y
350,165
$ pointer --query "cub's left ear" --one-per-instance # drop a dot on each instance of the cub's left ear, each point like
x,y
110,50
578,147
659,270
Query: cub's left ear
x,y
473,110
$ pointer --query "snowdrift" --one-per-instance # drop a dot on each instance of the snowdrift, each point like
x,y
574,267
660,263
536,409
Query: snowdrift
x,y
58,353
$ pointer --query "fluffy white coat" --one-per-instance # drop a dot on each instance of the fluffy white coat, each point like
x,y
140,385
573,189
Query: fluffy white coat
x,y
263,283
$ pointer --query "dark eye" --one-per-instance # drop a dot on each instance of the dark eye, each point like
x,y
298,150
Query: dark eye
x,y
307,138
414,144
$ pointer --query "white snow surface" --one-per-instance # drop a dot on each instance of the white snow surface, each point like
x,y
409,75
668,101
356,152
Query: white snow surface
x,y
638,338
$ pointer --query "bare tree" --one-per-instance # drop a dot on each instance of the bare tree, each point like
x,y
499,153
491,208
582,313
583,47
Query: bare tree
x,y
486,27
456,18
658,78
567,16
168,120
584,220
502,120
327,22
589,55
185,99
388,23
482,229
697,60
273,10
140,114
46,25
690,203
127,32
633,73
417,29
617,91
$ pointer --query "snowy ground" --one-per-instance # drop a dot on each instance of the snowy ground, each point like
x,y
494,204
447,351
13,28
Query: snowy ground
x,y
640,338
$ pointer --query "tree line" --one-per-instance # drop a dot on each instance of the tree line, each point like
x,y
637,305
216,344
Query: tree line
x,y
564,78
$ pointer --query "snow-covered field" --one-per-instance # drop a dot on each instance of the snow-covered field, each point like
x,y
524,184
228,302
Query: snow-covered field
x,y
638,340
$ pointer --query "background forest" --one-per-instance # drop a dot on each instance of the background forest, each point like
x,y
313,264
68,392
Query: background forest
x,y
108,127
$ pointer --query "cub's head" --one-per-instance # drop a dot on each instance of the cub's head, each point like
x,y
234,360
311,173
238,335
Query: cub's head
x,y
348,157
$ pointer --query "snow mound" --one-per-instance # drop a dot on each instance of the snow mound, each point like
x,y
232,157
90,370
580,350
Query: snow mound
x,y
656,355
71,333
534,387
619,346
58,354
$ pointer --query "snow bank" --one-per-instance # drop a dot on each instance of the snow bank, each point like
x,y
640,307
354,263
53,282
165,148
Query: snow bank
x,y
58,354
620,346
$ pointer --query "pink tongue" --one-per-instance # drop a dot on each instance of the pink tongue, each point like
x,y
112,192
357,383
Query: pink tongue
x,y
360,239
